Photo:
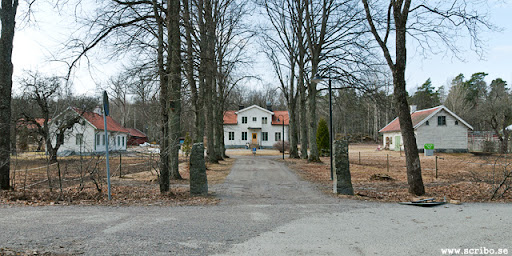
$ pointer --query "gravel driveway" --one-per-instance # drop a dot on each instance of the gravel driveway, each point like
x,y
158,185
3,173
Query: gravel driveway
x,y
265,210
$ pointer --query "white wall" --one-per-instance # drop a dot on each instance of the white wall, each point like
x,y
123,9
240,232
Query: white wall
x,y
89,143
447,137
392,138
257,127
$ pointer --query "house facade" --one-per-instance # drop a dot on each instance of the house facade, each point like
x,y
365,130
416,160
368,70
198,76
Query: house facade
x,y
88,135
255,126
438,126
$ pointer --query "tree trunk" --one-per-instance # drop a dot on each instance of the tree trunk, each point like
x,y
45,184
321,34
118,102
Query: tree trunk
x,y
164,118
412,158
174,64
313,149
7,16
210,81
303,121
292,133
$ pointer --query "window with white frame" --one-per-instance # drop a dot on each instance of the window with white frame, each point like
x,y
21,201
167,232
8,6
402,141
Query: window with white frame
x,y
254,119
123,142
103,139
98,139
244,119
264,136
264,120
244,135
278,136
231,135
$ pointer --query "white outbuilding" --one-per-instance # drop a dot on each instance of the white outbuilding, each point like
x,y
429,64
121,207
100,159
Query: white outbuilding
x,y
255,126
88,135
438,126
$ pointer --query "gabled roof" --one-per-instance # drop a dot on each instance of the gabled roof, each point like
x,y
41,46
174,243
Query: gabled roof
x,y
96,121
136,133
254,106
230,116
420,117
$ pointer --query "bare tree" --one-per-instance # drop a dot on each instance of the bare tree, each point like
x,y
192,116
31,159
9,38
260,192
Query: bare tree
x,y
426,22
8,20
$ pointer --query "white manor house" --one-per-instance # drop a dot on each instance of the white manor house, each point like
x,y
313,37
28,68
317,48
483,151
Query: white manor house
x,y
254,126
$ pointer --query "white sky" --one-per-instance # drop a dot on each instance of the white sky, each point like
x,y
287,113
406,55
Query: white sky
x,y
35,44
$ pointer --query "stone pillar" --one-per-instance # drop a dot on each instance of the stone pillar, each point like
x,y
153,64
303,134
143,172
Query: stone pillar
x,y
198,180
342,183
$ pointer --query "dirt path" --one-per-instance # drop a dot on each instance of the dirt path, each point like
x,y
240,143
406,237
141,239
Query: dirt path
x,y
262,180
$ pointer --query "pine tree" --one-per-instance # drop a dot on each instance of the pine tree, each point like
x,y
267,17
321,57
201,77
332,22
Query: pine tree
x,y
322,137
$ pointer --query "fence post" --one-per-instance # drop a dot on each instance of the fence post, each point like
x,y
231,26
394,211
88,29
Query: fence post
x,y
120,165
359,158
436,167
387,162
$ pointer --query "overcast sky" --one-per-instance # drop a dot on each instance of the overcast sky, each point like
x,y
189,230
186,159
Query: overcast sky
x,y
34,46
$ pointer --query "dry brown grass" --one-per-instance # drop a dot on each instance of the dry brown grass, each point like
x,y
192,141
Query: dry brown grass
x,y
138,184
462,177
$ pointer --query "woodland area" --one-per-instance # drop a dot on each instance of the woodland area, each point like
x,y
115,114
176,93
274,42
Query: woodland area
x,y
190,62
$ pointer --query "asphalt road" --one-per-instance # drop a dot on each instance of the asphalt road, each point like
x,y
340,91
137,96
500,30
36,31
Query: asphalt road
x,y
265,210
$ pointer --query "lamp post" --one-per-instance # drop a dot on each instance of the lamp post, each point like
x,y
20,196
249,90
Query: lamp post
x,y
318,79
282,138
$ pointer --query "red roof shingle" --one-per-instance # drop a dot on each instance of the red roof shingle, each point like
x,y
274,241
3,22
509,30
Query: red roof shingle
x,y
230,117
136,133
281,114
416,117
97,121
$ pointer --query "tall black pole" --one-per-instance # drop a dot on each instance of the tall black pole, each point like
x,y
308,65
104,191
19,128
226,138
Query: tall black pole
x,y
330,125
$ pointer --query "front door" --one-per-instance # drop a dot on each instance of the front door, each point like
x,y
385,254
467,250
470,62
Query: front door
x,y
254,138
397,143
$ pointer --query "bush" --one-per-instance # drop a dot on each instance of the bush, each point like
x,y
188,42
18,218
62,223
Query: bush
x,y
279,146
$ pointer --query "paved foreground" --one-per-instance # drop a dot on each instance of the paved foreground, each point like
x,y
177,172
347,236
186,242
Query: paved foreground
x,y
265,210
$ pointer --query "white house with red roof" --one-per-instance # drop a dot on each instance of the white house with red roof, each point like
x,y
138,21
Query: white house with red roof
x,y
438,126
256,126
88,136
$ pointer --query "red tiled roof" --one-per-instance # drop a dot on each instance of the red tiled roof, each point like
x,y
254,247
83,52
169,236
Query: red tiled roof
x,y
29,124
136,133
281,114
97,121
230,117
416,117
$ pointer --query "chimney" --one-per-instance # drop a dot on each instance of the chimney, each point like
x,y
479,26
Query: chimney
x,y
413,108
98,110
269,106
240,107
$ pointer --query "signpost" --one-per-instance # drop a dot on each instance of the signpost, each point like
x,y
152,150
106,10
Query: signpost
x,y
105,114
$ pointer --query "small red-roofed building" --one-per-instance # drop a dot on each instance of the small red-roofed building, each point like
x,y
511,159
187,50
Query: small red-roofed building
x,y
136,137
437,125
255,126
88,135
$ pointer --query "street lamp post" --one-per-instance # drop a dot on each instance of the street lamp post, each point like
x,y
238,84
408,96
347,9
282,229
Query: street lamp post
x,y
282,138
318,79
